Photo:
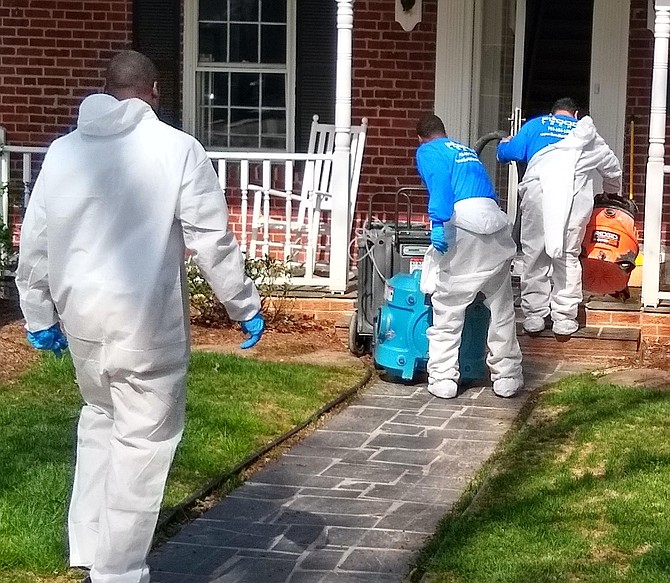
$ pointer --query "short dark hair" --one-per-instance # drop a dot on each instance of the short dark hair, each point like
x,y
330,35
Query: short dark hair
x,y
130,70
430,126
566,104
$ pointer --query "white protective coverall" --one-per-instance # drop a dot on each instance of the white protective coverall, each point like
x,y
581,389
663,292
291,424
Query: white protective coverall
x,y
478,260
556,205
115,205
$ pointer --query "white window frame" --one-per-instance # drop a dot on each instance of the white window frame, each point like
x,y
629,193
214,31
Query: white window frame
x,y
191,67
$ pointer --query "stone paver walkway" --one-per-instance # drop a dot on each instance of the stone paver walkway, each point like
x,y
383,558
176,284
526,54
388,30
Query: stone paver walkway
x,y
357,499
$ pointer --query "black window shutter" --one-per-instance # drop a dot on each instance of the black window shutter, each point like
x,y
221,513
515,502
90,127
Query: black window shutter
x,y
156,25
316,52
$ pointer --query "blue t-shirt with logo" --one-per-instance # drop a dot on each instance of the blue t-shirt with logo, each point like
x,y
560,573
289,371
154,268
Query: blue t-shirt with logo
x,y
534,135
451,172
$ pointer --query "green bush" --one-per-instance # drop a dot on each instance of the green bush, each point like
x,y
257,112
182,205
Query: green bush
x,y
271,277
7,253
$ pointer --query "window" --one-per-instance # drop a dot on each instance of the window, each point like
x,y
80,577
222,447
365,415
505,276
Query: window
x,y
242,74
256,71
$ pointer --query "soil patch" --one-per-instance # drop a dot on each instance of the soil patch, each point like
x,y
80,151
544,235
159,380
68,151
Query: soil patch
x,y
644,378
16,353
305,340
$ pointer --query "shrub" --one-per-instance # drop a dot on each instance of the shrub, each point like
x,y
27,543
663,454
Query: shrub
x,y
271,277
8,255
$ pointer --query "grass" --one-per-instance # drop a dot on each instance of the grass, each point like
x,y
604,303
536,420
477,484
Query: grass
x,y
234,406
578,495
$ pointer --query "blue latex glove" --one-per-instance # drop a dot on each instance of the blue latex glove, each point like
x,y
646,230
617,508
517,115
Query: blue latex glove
x,y
50,339
437,237
255,327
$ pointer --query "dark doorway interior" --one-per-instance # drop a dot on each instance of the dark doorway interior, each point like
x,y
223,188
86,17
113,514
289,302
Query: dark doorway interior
x,y
557,59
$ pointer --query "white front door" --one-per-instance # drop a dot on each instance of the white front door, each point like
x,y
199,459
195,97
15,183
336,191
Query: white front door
x,y
497,85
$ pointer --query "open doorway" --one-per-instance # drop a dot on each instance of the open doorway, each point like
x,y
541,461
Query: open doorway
x,y
557,54
528,54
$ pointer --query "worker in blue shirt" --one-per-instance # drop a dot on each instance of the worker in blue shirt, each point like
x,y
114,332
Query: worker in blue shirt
x,y
473,236
539,132
564,156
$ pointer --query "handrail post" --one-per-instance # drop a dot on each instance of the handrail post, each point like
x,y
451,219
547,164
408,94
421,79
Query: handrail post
x,y
4,179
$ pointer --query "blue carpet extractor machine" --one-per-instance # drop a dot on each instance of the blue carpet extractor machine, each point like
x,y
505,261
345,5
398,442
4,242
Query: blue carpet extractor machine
x,y
401,344
392,315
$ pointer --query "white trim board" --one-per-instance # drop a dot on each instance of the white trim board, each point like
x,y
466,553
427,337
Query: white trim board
x,y
609,71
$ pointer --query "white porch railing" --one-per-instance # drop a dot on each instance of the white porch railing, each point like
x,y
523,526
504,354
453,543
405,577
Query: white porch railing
x,y
238,172
656,167
16,161
244,176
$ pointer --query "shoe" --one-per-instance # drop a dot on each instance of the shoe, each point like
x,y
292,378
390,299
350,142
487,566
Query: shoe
x,y
565,327
534,324
507,387
445,389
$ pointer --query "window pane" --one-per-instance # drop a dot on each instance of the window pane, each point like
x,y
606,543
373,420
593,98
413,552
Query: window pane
x,y
244,10
243,128
212,89
273,129
213,10
273,44
219,128
244,142
215,89
213,40
273,11
244,122
243,43
203,120
244,89
273,90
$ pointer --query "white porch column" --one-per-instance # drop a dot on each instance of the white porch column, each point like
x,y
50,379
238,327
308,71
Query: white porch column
x,y
454,60
341,184
653,197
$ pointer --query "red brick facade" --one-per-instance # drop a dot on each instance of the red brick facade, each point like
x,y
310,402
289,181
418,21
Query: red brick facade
x,y
54,51
53,54
393,85
640,60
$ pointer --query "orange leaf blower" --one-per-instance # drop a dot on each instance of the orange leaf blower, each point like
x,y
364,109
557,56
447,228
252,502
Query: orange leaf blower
x,y
610,247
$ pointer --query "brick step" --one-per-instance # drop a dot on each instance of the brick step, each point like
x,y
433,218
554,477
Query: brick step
x,y
592,342
323,308
654,324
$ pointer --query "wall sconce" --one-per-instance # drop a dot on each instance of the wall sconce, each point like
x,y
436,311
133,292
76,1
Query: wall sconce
x,y
408,13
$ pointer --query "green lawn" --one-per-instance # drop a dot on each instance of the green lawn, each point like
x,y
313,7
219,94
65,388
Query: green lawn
x,y
235,406
579,494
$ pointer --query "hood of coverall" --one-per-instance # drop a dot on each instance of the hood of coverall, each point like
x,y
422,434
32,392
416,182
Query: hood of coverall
x,y
104,115
581,135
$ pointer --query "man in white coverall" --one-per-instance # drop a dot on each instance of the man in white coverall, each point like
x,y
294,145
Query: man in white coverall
x,y
115,206
473,235
564,156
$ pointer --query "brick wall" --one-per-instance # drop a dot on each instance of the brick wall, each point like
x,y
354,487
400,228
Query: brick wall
x,y
393,85
640,63
53,54
640,60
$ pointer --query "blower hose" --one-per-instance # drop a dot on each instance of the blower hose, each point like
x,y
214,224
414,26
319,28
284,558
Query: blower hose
x,y
480,144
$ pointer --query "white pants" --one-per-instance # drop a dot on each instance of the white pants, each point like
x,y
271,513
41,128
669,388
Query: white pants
x,y
127,435
539,297
476,263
